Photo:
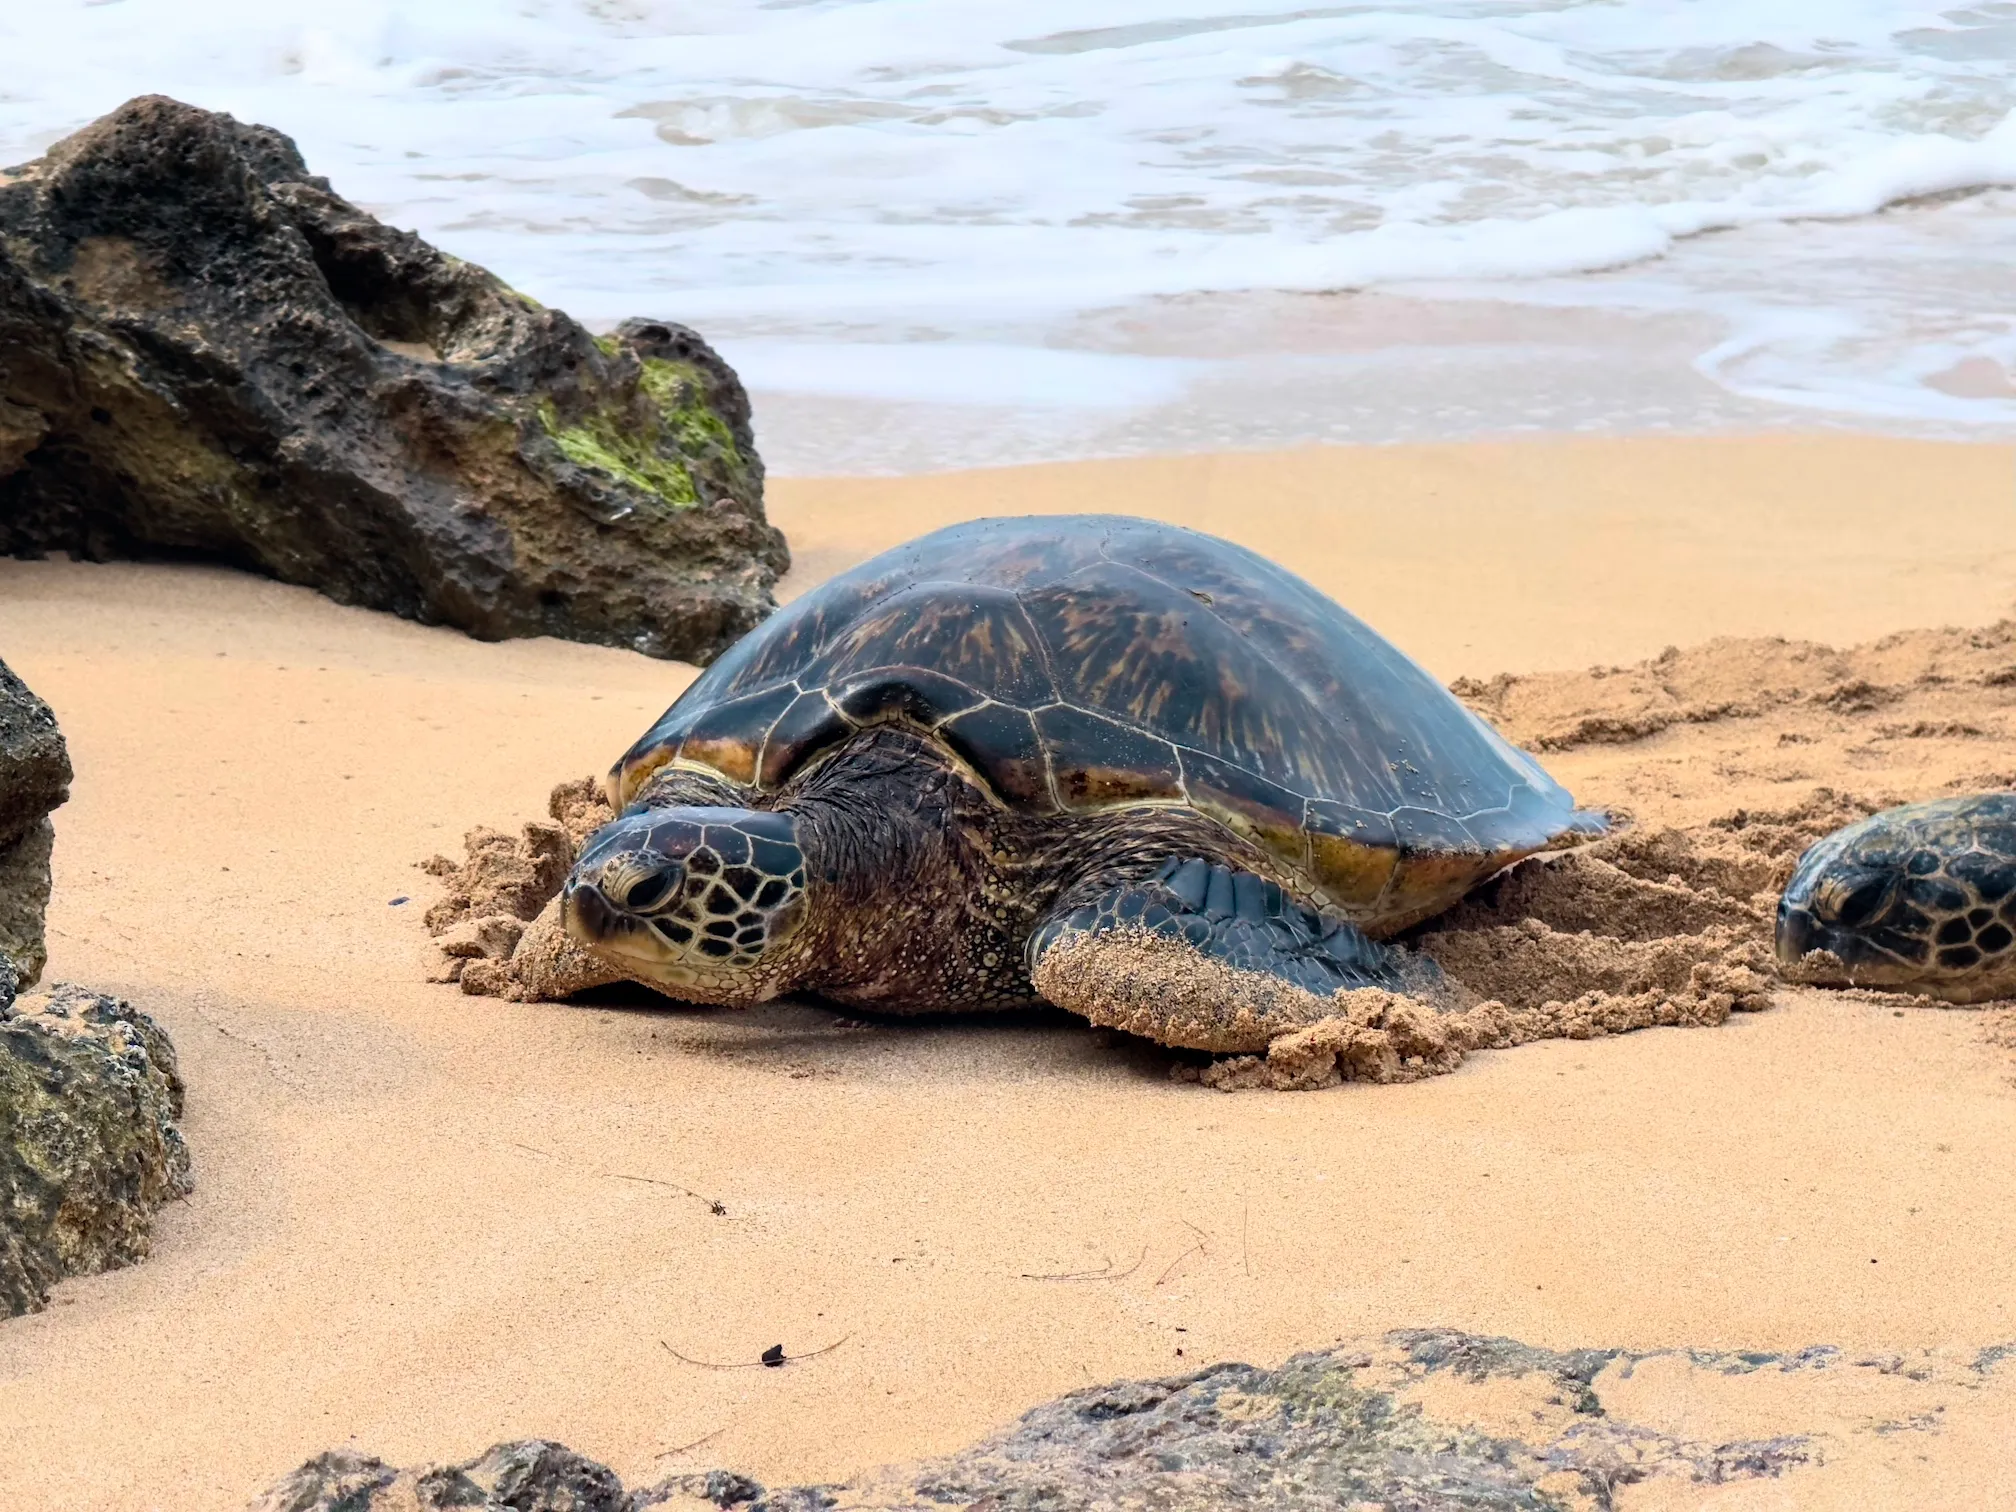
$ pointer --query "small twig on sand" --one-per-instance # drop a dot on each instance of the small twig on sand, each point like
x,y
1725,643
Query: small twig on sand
x,y
755,1364
1201,1247
1195,1249
1104,1273
1245,1254
705,1438
718,1209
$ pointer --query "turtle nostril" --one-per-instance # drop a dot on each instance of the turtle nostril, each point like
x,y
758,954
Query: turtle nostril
x,y
590,913
1797,934
650,890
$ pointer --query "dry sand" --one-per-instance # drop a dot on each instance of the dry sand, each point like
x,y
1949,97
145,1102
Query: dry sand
x,y
425,1221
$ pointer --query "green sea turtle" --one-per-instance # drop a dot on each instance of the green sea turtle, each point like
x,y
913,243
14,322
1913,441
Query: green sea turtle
x,y
1920,899
1085,759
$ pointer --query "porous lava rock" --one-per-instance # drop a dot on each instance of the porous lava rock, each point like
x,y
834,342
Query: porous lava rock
x,y
34,780
89,1095
531,1475
1420,1419
205,351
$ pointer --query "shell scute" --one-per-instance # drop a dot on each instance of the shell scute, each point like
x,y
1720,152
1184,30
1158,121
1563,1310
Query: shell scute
x,y
1346,821
1001,744
727,736
1100,762
975,635
809,725
1246,803
1131,647
913,695
1354,875
1422,829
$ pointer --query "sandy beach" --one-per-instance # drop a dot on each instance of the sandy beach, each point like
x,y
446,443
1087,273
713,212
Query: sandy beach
x,y
424,1222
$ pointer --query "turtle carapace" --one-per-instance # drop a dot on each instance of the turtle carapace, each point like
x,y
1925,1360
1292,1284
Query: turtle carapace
x,y
1020,744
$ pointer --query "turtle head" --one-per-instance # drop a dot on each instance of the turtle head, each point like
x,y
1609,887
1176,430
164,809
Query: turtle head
x,y
701,901
1920,898
1835,923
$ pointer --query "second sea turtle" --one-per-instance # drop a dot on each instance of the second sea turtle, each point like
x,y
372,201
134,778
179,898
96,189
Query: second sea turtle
x,y
1135,771
1920,898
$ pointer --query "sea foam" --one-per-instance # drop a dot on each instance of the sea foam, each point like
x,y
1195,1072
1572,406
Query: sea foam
x,y
964,171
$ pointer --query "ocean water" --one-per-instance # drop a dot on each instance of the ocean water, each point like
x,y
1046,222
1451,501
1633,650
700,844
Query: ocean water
x,y
936,232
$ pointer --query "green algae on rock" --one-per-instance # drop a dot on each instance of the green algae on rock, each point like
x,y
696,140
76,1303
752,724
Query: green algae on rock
x,y
668,440
205,351
89,1095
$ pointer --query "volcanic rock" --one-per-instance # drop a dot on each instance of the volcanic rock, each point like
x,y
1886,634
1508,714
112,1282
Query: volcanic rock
x,y
205,351
531,1475
89,1095
1423,1419
34,779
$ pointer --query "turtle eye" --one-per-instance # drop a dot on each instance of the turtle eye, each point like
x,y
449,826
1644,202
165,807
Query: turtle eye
x,y
1854,900
650,890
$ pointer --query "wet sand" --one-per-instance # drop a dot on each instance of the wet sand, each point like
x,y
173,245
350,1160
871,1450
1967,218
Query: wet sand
x,y
424,1222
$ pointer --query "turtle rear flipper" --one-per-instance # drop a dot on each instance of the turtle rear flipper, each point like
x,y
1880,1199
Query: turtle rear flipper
x,y
1202,956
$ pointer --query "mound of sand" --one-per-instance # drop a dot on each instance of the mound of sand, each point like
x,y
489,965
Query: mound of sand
x,y
1950,678
497,922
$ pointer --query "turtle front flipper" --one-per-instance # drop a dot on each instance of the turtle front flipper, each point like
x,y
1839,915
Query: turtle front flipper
x,y
1201,956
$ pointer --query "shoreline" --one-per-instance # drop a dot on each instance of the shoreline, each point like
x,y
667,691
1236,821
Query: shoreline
x,y
425,1222
1677,347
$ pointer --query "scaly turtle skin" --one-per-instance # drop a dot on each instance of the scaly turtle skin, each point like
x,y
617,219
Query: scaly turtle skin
x,y
1018,739
1918,899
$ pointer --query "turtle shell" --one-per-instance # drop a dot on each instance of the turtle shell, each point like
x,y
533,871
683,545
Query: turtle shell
x,y
1086,662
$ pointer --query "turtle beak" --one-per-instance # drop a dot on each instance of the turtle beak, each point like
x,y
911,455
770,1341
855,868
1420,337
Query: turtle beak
x,y
1798,934
587,915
